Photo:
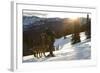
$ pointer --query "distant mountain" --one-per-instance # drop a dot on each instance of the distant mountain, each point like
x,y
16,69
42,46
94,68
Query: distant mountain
x,y
30,21
27,20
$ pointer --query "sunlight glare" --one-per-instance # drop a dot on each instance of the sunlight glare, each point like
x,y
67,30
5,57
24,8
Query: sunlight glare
x,y
73,18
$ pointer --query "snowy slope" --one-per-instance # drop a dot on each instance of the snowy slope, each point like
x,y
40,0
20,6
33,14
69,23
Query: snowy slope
x,y
65,51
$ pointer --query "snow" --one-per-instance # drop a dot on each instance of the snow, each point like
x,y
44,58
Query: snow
x,y
65,51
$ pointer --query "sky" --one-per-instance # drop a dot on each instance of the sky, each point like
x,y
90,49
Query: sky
x,y
50,14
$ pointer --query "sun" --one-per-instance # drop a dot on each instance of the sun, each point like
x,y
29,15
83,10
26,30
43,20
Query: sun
x,y
73,18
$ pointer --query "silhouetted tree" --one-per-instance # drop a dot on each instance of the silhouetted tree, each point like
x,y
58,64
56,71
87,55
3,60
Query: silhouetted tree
x,y
88,27
75,38
50,39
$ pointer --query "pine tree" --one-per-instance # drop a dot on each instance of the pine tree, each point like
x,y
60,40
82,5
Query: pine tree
x,y
88,27
50,39
75,38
